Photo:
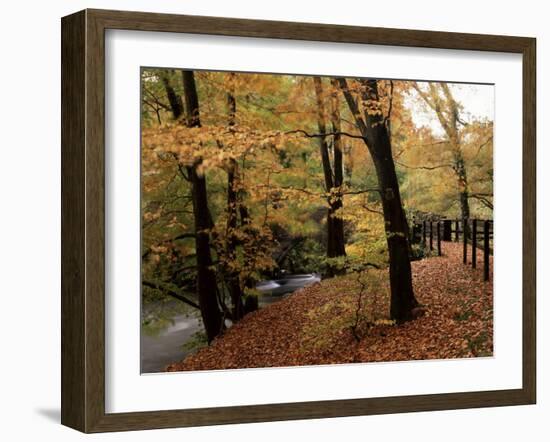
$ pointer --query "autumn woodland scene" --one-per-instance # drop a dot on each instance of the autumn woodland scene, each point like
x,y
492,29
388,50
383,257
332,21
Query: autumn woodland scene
x,y
292,220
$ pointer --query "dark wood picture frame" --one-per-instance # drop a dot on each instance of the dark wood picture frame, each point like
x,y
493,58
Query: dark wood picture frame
x,y
83,216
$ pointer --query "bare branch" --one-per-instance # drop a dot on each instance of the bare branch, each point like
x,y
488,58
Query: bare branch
x,y
482,199
482,145
368,209
424,167
170,291
423,95
322,135
361,191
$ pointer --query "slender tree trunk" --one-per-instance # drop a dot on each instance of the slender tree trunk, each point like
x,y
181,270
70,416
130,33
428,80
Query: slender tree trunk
x,y
206,278
234,284
338,222
377,139
462,184
333,179
250,302
323,144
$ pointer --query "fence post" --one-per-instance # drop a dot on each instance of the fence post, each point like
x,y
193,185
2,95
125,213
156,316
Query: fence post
x,y
457,227
486,226
465,240
439,238
431,236
424,233
418,233
447,230
474,243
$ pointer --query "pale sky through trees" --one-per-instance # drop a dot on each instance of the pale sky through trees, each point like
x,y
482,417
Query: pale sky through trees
x,y
477,100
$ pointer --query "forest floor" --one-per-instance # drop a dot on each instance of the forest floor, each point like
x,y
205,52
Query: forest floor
x,y
316,324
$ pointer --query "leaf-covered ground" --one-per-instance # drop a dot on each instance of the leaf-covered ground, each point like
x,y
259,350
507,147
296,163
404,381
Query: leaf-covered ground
x,y
315,325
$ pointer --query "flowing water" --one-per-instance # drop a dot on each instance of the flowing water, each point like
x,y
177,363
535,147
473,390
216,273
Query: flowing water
x,y
167,346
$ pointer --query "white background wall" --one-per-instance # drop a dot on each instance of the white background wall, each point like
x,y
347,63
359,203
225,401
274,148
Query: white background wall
x,y
30,217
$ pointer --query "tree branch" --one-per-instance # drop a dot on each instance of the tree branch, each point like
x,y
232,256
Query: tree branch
x,y
322,135
359,192
309,192
352,104
293,244
368,209
482,199
169,291
181,236
387,119
482,145
423,167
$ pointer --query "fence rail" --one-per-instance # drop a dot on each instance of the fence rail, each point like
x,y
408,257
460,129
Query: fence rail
x,y
469,231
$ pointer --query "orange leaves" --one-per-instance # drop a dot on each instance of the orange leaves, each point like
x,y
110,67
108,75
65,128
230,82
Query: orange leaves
x,y
310,326
214,145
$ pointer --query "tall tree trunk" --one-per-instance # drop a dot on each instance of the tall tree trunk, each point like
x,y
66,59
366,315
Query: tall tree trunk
x,y
459,165
333,179
376,137
234,284
206,278
338,222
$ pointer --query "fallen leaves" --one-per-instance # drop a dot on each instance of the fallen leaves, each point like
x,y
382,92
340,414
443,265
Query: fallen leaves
x,y
313,325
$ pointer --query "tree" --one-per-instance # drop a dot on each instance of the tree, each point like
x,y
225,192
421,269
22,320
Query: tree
x,y
440,99
206,278
289,161
371,123
333,173
233,205
176,105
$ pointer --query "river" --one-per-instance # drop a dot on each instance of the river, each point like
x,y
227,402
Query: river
x,y
167,346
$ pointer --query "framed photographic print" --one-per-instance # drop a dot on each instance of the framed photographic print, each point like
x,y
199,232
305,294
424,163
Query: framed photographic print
x,y
267,221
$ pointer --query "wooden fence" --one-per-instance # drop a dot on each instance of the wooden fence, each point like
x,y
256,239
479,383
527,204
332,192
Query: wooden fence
x,y
474,234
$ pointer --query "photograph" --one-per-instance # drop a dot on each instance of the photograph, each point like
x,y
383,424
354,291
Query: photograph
x,y
268,221
301,220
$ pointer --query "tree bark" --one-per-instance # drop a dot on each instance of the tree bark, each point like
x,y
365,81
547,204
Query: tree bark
x,y
207,289
176,105
462,184
338,222
333,176
234,284
376,137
